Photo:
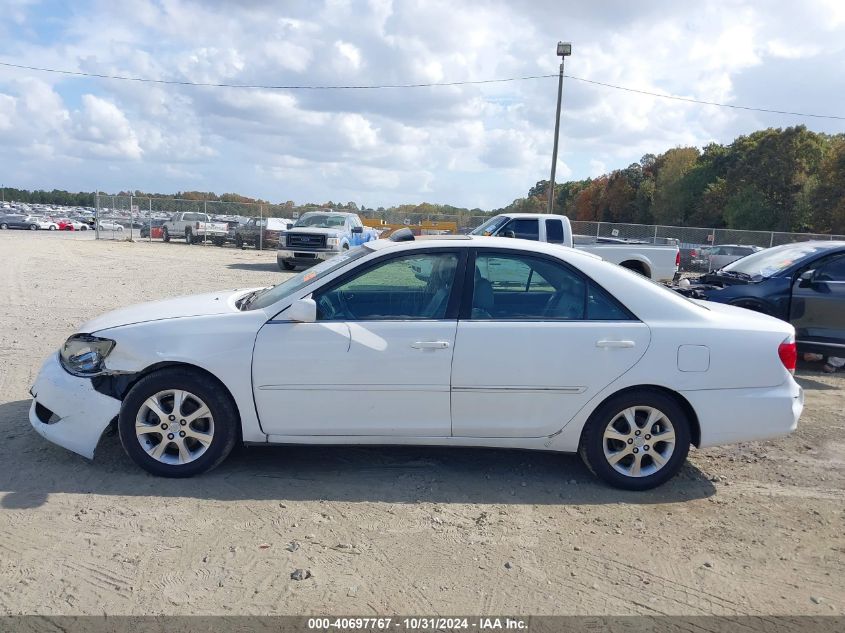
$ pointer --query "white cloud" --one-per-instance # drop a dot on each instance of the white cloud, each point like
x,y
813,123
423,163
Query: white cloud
x,y
470,145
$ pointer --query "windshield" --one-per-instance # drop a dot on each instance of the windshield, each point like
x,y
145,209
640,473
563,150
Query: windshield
x,y
491,226
771,261
321,220
271,295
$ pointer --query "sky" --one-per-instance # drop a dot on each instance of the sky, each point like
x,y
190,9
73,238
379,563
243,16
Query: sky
x,y
472,145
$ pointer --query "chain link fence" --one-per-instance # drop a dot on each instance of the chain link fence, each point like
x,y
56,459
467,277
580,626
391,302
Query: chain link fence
x,y
141,218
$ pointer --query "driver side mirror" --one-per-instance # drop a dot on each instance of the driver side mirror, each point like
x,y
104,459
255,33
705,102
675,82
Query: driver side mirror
x,y
510,234
290,225
806,278
357,229
303,311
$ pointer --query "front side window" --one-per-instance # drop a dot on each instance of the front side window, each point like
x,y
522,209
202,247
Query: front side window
x,y
832,270
415,286
522,287
523,228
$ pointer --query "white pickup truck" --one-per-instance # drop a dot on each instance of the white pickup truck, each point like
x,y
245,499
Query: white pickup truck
x,y
656,261
194,228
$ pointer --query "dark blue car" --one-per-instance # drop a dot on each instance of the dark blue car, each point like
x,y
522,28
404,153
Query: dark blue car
x,y
803,283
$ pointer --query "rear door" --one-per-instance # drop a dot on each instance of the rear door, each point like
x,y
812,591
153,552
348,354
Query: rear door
x,y
538,341
817,309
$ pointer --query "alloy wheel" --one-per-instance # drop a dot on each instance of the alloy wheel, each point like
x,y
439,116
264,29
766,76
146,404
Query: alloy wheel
x,y
639,441
174,427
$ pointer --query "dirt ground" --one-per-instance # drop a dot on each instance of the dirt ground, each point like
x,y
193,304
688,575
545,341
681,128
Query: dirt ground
x,y
753,529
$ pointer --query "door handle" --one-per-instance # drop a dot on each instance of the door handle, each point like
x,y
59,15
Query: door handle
x,y
430,345
614,344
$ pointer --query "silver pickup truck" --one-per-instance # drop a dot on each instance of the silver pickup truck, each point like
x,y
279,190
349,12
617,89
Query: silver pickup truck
x,y
194,228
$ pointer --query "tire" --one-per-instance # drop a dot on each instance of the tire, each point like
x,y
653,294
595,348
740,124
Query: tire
x,y
4,226
33,227
596,449
52,227
219,428
83,228
165,236
288,266
239,242
189,236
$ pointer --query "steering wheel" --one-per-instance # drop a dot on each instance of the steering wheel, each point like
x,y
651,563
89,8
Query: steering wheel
x,y
334,307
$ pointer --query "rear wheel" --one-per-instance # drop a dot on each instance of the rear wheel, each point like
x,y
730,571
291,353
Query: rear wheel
x,y
288,266
189,236
178,423
33,227
239,241
165,236
3,226
636,440
52,227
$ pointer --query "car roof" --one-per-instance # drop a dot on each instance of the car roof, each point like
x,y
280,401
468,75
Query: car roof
x,y
478,241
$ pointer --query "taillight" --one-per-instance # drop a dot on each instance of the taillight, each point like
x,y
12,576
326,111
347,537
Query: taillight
x,y
677,259
693,253
788,352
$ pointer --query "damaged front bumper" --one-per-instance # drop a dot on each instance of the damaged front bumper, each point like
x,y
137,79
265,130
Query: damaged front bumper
x,y
68,411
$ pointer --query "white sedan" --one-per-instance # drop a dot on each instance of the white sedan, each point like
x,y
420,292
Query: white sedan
x,y
46,224
110,225
469,341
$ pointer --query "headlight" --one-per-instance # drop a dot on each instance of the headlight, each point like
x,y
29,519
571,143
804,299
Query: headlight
x,y
333,242
83,354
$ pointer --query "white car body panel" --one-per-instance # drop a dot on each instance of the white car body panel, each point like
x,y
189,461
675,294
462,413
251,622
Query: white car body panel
x,y
553,369
369,379
363,383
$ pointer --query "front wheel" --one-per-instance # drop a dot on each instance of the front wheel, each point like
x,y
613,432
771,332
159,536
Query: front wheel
x,y
3,226
165,236
239,242
637,440
288,266
33,227
178,423
52,227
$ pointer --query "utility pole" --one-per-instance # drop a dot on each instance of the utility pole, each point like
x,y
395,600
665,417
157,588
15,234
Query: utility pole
x,y
564,50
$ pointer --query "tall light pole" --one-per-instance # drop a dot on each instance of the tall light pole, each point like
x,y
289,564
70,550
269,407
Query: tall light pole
x,y
564,50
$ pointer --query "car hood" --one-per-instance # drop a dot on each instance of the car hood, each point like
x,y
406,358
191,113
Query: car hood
x,y
315,230
179,307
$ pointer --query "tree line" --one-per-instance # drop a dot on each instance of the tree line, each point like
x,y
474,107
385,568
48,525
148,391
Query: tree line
x,y
772,180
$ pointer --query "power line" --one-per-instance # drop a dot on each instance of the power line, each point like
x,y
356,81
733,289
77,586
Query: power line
x,y
270,86
177,82
701,102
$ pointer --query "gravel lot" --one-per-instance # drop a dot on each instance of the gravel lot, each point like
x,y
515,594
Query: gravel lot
x,y
754,529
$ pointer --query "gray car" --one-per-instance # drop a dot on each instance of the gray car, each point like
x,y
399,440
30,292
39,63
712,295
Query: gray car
x,y
19,221
724,254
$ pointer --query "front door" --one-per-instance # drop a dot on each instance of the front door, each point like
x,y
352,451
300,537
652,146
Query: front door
x,y
376,363
540,341
817,309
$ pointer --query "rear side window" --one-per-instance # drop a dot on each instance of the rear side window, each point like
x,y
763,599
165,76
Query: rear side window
x,y
554,231
524,287
602,307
